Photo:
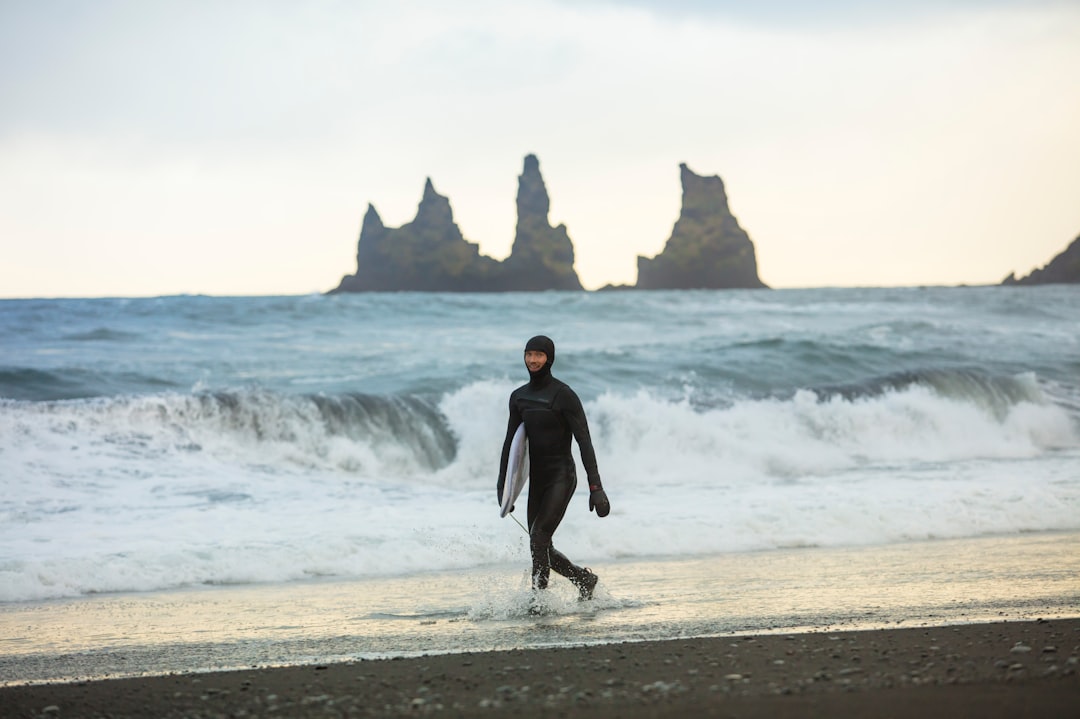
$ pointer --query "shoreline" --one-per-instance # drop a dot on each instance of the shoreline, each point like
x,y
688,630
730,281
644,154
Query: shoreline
x,y
781,592
1012,668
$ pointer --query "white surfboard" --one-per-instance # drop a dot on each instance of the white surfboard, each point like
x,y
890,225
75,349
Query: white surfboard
x,y
517,470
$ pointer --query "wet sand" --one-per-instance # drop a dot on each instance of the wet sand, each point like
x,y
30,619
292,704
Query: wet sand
x,y
979,628
1007,669
218,628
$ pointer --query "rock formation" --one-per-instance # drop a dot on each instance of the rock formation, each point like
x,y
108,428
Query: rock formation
x,y
542,257
430,254
1065,268
707,248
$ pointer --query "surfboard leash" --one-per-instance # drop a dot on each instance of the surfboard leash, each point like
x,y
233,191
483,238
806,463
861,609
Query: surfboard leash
x,y
519,524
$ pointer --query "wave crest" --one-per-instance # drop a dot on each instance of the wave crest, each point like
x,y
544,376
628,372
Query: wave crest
x,y
993,393
400,434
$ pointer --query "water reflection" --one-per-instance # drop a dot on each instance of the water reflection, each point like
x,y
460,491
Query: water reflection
x,y
928,583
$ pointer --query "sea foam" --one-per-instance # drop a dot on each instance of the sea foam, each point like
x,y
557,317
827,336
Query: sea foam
x,y
152,492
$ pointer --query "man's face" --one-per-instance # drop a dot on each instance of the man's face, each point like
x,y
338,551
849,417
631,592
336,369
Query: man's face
x,y
535,360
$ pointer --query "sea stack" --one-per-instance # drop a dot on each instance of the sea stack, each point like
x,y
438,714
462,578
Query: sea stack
x,y
707,248
430,254
542,257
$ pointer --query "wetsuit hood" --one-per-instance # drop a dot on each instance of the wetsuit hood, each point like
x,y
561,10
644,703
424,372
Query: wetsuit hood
x,y
540,343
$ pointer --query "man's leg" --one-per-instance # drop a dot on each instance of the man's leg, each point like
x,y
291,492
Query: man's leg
x,y
547,505
546,511
582,577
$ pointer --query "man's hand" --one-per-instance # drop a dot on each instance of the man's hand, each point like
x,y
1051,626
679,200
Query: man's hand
x,y
598,501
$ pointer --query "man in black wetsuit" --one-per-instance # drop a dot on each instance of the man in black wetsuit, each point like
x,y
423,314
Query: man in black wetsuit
x,y
552,414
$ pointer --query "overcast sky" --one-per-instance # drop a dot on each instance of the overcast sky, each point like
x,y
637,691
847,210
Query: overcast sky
x,y
232,147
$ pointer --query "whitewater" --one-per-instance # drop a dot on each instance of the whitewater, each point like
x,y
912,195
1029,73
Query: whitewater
x,y
181,442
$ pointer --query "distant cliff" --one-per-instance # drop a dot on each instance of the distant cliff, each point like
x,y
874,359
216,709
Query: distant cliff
x,y
707,248
430,254
1063,269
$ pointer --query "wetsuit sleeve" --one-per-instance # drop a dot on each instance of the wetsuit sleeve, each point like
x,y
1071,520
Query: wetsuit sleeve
x,y
571,409
511,427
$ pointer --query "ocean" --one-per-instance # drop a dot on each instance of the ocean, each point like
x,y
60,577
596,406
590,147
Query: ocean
x,y
345,449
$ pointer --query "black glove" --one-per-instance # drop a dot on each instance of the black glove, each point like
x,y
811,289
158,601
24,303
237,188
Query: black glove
x,y
598,500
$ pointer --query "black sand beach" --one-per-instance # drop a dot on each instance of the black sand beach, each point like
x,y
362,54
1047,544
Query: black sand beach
x,y
1007,669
